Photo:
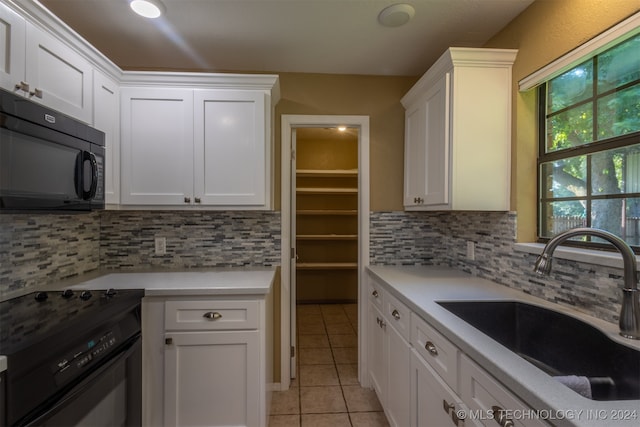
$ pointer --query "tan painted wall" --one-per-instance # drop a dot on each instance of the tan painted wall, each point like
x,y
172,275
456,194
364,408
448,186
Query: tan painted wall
x,y
544,32
376,97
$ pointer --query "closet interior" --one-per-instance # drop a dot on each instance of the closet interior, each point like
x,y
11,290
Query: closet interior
x,y
326,215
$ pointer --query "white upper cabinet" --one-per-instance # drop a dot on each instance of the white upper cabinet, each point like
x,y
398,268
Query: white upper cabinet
x,y
12,48
57,76
187,146
156,146
37,65
106,117
458,132
230,145
427,164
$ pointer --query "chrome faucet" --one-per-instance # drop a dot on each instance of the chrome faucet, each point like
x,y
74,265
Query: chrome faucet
x,y
630,311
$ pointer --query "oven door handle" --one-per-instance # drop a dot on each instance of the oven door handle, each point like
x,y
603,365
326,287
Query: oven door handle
x,y
134,344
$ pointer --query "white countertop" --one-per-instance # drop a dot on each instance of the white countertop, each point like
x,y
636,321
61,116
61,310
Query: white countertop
x,y
187,283
420,287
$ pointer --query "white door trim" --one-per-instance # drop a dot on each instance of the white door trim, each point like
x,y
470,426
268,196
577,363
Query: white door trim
x,y
288,122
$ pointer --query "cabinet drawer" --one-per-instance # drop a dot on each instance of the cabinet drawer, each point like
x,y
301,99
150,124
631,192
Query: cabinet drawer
x,y
436,350
397,315
482,392
211,315
375,293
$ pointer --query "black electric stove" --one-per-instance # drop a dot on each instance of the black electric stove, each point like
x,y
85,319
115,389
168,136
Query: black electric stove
x,y
54,341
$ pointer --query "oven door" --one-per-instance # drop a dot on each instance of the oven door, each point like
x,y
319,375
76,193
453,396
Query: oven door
x,y
110,396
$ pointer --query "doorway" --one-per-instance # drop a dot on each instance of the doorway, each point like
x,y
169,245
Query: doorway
x,y
326,215
314,173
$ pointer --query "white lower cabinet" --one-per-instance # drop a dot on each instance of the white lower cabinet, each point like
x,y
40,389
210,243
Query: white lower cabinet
x,y
398,380
389,355
208,361
211,379
376,352
433,403
424,380
488,398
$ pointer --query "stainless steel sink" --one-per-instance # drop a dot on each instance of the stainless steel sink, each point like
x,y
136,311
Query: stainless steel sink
x,y
558,344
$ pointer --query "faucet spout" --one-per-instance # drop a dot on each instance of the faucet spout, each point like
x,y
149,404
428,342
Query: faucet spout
x,y
630,311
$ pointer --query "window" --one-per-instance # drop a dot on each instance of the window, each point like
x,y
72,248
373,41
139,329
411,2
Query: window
x,y
589,159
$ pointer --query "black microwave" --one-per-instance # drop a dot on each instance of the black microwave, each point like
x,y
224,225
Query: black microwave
x,y
48,161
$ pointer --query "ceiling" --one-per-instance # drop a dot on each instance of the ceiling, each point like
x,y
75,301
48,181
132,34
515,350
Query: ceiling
x,y
307,36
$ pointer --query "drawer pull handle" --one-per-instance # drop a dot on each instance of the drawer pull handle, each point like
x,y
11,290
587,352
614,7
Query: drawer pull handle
x,y
395,314
212,315
450,409
447,406
375,293
500,415
431,348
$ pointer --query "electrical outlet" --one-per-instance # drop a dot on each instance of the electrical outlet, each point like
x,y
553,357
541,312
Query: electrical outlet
x,y
471,250
161,245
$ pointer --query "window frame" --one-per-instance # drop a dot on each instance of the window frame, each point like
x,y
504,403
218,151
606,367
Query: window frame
x,y
587,149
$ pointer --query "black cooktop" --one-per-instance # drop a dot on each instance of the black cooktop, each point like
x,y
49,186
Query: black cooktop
x,y
54,340
27,320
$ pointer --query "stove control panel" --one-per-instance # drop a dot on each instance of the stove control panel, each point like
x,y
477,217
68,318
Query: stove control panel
x,y
84,356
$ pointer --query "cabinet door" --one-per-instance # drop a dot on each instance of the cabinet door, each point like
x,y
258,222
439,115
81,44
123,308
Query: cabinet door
x,y
427,149
212,379
377,353
433,403
398,378
485,395
106,117
12,46
156,146
58,76
231,148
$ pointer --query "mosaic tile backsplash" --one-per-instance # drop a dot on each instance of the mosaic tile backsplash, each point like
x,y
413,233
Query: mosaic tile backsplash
x,y
440,238
194,239
43,247
40,248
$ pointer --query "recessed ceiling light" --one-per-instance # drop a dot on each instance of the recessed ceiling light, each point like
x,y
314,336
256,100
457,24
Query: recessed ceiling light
x,y
342,128
147,8
396,15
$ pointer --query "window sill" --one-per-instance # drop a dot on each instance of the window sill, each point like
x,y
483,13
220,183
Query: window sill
x,y
589,256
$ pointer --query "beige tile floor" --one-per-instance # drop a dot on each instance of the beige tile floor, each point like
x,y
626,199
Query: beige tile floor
x,y
326,391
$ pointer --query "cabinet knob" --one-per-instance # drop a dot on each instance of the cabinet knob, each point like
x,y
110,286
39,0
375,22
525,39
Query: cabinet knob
x,y
197,199
23,86
168,341
431,348
380,322
36,92
375,293
187,199
395,314
212,315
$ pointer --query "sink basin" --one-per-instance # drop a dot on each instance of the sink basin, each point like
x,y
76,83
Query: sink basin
x,y
558,344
